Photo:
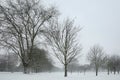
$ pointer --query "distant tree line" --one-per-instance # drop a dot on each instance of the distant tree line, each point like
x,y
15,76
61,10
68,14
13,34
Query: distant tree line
x,y
8,62
41,62
98,59
113,64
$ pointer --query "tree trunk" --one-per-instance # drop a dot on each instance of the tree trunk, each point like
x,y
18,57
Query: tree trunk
x,y
65,70
118,71
96,70
108,70
111,71
26,68
114,70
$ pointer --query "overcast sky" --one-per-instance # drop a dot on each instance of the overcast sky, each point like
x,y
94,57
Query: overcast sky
x,y
100,20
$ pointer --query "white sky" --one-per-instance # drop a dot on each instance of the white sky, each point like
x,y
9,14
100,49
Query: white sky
x,y
100,20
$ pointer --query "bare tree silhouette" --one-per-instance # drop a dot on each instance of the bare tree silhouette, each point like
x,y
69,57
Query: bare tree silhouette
x,y
62,38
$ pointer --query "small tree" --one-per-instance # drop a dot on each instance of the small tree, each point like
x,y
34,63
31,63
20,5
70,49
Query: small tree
x,y
21,21
62,38
96,56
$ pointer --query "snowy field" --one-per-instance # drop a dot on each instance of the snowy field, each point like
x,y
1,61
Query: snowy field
x,y
58,76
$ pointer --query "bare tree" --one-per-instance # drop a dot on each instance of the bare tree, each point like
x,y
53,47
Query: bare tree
x,y
21,21
62,38
96,56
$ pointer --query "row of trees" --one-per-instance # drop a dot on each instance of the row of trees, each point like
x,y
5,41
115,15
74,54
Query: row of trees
x,y
113,64
8,62
99,59
41,62
23,23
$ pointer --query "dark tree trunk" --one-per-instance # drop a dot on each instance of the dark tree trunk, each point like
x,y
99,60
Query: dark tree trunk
x,y
111,71
65,70
26,68
108,70
96,70
118,71
114,70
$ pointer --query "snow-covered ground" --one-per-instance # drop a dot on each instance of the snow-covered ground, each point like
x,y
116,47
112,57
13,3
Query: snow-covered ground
x,y
58,76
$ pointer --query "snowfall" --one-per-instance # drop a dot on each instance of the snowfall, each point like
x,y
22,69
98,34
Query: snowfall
x,y
58,76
